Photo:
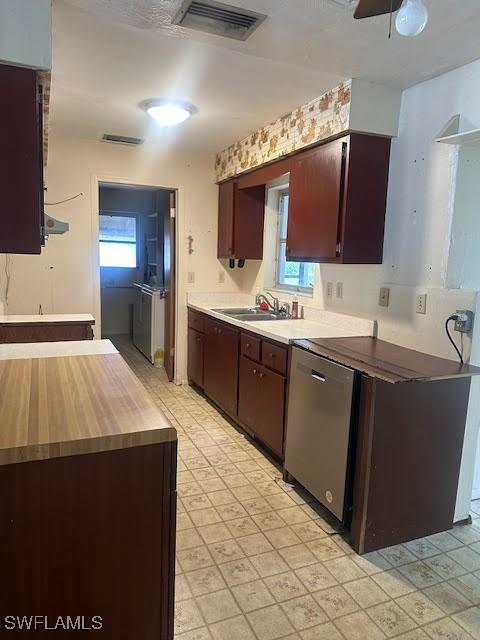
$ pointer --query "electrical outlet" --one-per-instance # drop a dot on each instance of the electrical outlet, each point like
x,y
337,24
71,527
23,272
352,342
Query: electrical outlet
x,y
329,289
340,290
464,323
384,297
191,277
421,303
221,277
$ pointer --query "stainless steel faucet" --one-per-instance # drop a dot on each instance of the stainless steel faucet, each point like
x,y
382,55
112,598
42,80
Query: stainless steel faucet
x,y
260,297
283,310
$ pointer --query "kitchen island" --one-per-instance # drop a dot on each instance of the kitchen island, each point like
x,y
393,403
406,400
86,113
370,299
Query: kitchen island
x,y
87,494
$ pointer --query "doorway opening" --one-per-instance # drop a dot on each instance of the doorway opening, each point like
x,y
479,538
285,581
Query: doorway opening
x,y
137,269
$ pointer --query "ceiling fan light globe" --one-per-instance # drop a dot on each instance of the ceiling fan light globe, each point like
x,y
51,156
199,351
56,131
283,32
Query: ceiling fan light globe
x,y
412,18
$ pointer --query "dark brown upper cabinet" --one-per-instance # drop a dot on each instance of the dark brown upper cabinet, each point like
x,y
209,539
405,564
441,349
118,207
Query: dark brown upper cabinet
x,y
337,201
240,221
21,161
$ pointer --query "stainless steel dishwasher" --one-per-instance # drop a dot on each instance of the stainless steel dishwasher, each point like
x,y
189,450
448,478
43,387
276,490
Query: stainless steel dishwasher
x,y
320,405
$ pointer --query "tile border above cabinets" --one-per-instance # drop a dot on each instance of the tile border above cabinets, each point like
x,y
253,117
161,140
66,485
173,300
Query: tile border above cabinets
x,y
319,119
352,106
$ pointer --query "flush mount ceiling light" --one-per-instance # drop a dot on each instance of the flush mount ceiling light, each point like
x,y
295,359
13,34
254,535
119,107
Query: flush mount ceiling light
x,y
169,113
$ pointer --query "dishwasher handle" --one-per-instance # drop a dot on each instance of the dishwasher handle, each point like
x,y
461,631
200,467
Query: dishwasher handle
x,y
318,376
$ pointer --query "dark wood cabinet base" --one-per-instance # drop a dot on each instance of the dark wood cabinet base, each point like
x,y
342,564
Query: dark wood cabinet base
x,y
45,332
91,535
410,439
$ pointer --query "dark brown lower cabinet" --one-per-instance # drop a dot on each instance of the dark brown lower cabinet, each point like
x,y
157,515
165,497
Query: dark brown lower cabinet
x,y
220,364
195,357
409,448
261,403
45,331
242,373
91,535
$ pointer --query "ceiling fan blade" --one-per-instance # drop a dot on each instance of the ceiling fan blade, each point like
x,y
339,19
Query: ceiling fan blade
x,y
370,8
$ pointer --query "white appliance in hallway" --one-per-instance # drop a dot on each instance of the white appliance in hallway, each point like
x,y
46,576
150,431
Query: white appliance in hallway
x,y
149,322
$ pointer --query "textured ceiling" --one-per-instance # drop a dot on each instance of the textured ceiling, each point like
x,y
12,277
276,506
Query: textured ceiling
x,y
109,55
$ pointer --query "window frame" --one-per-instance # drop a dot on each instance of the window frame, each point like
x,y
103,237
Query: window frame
x,y
279,243
133,216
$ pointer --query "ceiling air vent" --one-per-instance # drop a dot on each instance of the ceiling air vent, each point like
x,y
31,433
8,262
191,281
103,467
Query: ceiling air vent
x,y
110,137
218,18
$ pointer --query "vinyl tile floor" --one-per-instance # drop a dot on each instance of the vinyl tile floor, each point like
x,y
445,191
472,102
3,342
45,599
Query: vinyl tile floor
x,y
258,559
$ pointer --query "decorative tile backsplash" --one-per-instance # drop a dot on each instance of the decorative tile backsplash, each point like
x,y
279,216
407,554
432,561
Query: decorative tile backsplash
x,y
317,120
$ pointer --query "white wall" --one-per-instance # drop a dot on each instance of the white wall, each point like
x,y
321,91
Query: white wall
x,y
65,277
420,214
464,271
26,33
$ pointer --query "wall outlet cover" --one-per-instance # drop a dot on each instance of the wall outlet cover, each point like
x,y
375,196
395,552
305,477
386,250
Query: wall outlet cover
x,y
421,303
384,297
340,290
329,289
464,324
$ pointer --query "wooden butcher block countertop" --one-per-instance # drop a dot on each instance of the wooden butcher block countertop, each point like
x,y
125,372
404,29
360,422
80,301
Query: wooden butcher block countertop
x,y
387,361
55,407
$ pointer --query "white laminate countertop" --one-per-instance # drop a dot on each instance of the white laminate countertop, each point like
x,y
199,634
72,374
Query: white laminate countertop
x,y
47,318
325,325
29,350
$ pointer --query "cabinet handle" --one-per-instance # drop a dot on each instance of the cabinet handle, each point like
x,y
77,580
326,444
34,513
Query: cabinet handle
x,y
219,332
263,375
247,345
255,372
272,355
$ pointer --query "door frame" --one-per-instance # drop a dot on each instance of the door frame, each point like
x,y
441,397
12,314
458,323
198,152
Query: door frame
x,y
96,181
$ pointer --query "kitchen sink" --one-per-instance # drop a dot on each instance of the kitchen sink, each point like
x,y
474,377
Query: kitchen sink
x,y
237,311
257,317
250,315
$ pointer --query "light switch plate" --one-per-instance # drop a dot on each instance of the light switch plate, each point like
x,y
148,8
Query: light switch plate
x,y
340,290
329,289
221,277
191,277
421,303
384,297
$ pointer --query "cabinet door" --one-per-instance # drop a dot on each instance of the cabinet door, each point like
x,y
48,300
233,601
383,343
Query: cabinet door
x,y
21,161
270,418
240,221
249,213
248,393
261,403
226,204
316,181
220,373
195,357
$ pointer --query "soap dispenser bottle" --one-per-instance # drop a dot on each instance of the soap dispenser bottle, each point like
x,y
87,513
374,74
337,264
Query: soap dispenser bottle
x,y
295,308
